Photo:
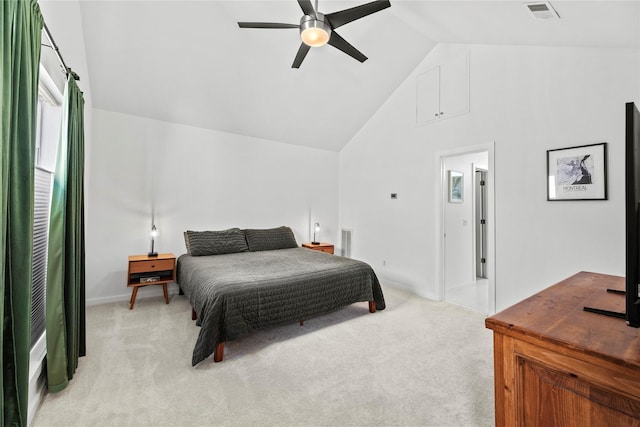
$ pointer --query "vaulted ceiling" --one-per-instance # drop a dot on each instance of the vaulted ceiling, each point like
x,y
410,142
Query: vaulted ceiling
x,y
188,62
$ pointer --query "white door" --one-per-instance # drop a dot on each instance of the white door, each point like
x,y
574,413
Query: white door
x,y
454,87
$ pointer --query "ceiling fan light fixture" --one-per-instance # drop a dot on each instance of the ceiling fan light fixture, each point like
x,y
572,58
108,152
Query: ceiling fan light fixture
x,y
314,31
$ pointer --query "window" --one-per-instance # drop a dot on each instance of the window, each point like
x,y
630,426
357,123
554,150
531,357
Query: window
x,y
47,129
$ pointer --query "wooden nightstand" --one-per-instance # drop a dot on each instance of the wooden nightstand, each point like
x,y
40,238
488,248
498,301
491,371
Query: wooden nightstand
x,y
145,270
323,247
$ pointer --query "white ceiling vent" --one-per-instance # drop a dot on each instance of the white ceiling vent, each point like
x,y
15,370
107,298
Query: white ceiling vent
x,y
542,10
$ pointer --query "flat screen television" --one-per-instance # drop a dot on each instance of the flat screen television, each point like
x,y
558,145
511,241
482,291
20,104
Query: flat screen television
x,y
632,219
632,222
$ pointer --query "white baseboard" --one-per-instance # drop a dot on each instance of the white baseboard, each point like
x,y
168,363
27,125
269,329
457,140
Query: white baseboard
x,y
142,294
407,288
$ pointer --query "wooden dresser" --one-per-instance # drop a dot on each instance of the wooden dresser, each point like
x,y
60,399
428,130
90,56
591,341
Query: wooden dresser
x,y
557,365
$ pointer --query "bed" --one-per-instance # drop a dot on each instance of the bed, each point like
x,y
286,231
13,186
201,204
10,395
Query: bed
x,y
244,280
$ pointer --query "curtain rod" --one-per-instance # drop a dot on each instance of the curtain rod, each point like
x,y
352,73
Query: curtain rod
x,y
55,49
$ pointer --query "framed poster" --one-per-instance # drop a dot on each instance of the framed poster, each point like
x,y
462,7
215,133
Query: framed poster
x,y
456,186
577,173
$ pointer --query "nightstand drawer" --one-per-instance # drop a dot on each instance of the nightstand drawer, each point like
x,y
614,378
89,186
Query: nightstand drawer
x,y
151,265
321,247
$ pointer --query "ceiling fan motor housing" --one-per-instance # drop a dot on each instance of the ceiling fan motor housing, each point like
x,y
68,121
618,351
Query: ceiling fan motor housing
x,y
314,30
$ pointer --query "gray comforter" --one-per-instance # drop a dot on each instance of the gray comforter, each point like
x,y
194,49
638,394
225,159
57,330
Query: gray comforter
x,y
235,294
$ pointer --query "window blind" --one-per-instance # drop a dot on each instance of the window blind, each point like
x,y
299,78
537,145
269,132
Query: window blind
x,y
42,201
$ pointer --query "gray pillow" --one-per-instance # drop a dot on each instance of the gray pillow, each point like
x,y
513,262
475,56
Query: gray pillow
x,y
201,243
270,239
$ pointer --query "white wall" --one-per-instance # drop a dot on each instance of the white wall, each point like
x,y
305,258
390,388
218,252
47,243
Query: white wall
x,y
196,179
527,100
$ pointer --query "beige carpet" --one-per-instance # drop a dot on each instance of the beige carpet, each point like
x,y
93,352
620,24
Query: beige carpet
x,y
417,363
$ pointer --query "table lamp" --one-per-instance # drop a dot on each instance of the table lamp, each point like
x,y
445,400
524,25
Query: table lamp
x,y
154,234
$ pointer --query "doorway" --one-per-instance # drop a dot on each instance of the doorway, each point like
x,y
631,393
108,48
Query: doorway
x,y
466,228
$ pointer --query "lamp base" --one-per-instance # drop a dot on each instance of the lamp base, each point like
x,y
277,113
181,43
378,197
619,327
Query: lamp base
x,y
315,243
152,254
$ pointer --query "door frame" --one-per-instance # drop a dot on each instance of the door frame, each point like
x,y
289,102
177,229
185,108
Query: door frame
x,y
475,169
441,198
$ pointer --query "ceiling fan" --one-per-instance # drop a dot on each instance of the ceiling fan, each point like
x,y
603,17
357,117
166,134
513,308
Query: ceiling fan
x,y
317,29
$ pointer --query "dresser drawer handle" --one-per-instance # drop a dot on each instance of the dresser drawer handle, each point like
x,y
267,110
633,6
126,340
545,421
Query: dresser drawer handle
x,y
153,266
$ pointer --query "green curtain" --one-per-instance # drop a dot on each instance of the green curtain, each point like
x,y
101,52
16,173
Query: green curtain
x,y
20,34
65,308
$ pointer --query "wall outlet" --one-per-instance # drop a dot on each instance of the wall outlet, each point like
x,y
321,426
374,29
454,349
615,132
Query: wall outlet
x,y
394,195
384,263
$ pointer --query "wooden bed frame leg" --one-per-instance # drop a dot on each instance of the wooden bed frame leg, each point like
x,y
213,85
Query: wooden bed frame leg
x,y
194,315
302,323
372,306
219,353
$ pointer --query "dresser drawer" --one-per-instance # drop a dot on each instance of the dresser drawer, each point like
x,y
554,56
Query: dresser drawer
x,y
151,265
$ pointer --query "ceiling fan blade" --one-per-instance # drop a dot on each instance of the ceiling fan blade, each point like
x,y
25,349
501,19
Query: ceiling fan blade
x,y
339,43
338,19
307,7
266,25
302,52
